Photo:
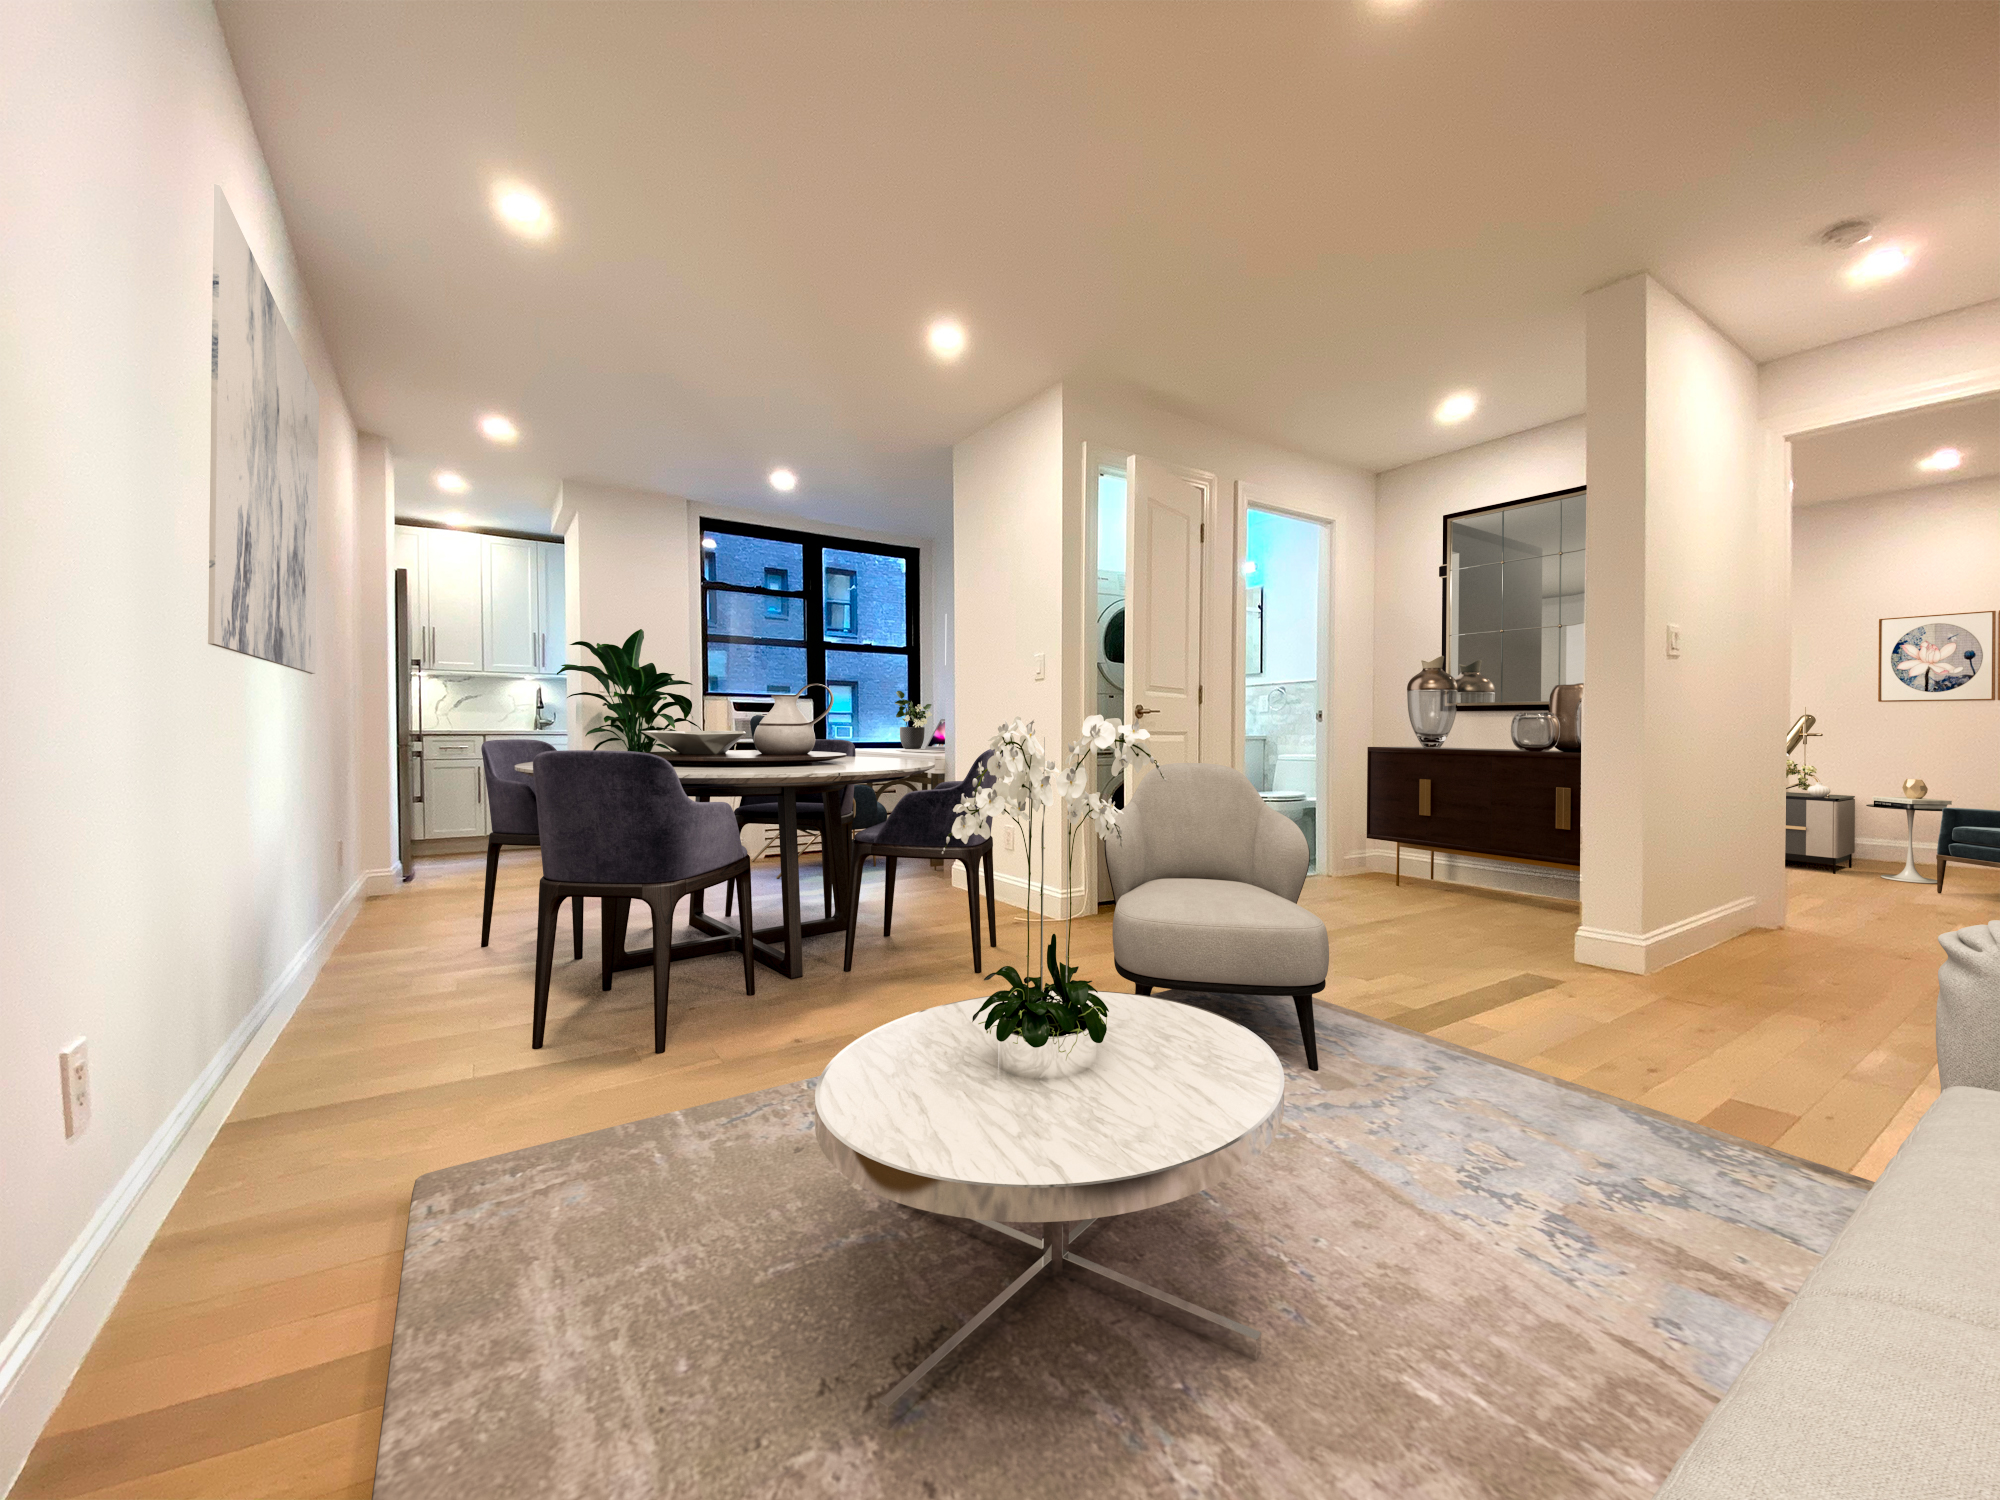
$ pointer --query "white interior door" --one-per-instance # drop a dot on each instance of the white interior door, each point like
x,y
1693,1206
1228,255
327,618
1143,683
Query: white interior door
x,y
1166,518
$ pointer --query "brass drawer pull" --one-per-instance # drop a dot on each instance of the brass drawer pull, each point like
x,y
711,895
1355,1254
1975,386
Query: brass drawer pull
x,y
1562,808
1423,796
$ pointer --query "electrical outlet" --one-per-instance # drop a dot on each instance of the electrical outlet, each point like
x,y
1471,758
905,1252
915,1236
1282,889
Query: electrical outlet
x,y
1673,640
1007,837
75,1064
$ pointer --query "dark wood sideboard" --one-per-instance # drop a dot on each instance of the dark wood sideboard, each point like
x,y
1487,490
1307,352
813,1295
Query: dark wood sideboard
x,y
1503,804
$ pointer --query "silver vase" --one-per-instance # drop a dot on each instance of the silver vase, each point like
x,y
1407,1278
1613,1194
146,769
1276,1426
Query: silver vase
x,y
1534,729
1566,707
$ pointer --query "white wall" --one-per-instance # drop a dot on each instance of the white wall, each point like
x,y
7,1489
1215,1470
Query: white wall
x,y
1854,564
630,565
1410,506
1682,843
1935,359
1009,549
181,819
1114,420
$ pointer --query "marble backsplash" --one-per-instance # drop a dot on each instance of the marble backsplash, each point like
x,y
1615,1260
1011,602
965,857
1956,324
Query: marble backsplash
x,y
1285,713
479,704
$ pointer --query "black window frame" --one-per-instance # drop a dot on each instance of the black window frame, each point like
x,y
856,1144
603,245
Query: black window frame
x,y
816,642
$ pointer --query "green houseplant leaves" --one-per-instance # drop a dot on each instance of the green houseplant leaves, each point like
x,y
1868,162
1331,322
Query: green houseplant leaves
x,y
637,697
1062,1005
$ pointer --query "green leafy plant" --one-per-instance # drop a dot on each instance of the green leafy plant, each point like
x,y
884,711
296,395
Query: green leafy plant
x,y
911,712
1060,1005
637,697
1800,776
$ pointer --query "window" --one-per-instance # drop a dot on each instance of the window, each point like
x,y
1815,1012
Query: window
x,y
840,715
854,629
1513,596
840,601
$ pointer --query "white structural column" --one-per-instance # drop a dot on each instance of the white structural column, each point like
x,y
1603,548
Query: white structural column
x,y
375,667
1688,680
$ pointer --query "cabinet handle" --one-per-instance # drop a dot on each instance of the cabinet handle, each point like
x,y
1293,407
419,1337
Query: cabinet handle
x,y
1423,796
1562,808
479,791
419,759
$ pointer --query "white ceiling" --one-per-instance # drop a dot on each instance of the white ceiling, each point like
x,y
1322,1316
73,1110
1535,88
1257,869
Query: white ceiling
x,y
1879,456
1307,222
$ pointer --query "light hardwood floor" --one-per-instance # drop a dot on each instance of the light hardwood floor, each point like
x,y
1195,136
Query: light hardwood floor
x,y
248,1355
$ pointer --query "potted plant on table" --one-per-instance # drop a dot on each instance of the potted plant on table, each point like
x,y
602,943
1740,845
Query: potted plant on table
x,y
638,698
914,717
1048,1022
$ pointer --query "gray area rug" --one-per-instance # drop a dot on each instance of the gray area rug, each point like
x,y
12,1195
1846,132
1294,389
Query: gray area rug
x,y
1472,1281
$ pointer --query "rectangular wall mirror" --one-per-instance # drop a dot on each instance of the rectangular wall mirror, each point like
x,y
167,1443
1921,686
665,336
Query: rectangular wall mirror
x,y
1513,596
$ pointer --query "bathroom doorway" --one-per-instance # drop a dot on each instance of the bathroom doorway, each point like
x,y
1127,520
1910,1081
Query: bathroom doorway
x,y
1287,569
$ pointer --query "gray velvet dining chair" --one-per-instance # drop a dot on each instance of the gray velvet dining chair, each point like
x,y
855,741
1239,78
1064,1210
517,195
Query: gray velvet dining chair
x,y
1968,834
1208,879
919,827
619,826
510,804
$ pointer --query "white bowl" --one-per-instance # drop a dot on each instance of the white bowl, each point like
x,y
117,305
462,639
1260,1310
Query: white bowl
x,y
697,741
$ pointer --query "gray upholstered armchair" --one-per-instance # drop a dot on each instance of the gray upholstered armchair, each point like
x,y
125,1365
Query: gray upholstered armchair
x,y
1968,833
1208,879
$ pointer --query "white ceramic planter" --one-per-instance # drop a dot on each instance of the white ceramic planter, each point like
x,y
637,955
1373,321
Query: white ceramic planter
x,y
1058,1057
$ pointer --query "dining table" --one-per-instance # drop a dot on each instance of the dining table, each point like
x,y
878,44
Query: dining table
x,y
827,776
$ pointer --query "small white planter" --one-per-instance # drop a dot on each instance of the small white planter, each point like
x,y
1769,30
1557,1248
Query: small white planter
x,y
1058,1057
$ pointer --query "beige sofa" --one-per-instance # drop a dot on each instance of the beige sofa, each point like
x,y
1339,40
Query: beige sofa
x,y
1882,1379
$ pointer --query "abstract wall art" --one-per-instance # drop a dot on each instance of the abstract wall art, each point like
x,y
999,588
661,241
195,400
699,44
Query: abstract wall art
x,y
264,465
1931,658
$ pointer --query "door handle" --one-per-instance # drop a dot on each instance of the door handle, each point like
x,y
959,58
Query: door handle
x,y
1139,711
1423,796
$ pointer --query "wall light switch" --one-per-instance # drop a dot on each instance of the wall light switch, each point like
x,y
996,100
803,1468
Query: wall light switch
x,y
1041,665
75,1063
1673,640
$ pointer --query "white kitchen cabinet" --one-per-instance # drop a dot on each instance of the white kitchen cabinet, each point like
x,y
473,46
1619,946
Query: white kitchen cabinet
x,y
453,614
554,641
454,787
512,603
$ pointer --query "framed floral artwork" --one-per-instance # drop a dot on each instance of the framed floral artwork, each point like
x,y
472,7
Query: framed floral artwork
x,y
1932,658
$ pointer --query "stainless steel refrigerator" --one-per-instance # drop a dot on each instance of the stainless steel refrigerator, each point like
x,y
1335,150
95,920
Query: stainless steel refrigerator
x,y
409,742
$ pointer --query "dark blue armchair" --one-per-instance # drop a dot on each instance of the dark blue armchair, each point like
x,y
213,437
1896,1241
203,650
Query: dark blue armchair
x,y
919,827
1968,833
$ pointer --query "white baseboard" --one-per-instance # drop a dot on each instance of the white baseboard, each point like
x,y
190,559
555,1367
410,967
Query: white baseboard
x,y
1650,952
1016,890
41,1352
382,882
1468,869
1895,850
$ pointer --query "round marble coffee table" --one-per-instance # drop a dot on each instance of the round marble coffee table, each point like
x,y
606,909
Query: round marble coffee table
x,y
919,1112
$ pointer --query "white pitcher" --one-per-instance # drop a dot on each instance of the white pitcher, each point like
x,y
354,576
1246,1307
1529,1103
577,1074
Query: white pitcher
x,y
787,729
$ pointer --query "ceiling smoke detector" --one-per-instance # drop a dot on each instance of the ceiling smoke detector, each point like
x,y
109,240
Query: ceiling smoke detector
x,y
1847,234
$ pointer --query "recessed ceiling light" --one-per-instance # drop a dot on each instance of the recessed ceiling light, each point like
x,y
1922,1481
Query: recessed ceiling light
x,y
497,429
1249,568
1943,459
1879,264
449,482
785,480
708,542
523,210
947,338
1456,408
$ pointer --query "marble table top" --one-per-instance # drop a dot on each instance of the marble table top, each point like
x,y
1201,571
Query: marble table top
x,y
919,1111
862,765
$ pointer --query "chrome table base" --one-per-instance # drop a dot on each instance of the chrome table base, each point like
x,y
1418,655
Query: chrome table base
x,y
1056,1252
